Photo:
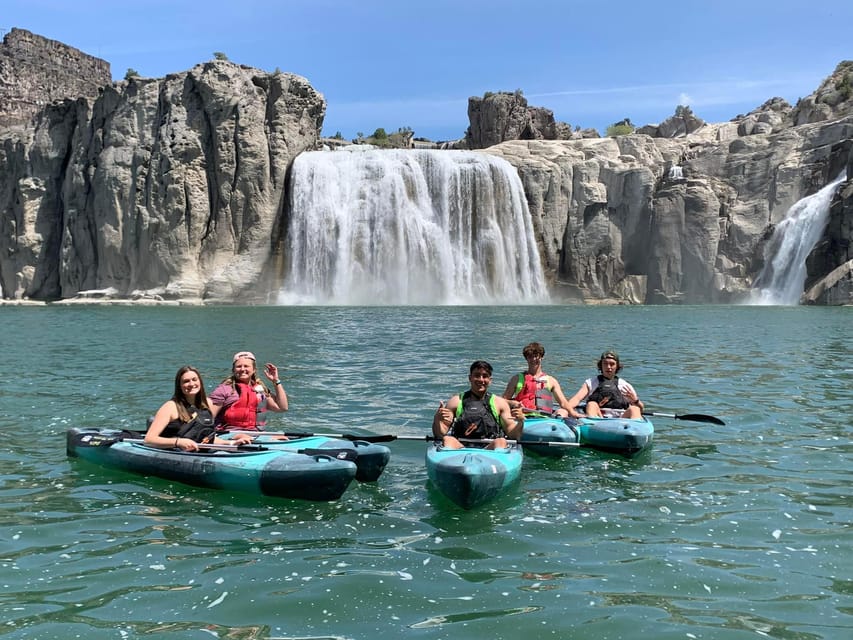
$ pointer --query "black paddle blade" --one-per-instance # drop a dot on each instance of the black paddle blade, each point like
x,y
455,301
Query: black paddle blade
x,y
382,438
698,417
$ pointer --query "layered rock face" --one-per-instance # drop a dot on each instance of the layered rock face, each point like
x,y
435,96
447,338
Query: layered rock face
x,y
654,220
169,188
175,188
35,71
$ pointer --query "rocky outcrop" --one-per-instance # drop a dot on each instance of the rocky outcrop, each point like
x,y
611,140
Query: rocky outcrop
x,y
35,71
171,188
682,123
833,98
611,213
497,117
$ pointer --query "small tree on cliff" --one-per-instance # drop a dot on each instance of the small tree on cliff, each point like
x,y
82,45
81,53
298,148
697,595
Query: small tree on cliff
x,y
621,128
218,55
131,73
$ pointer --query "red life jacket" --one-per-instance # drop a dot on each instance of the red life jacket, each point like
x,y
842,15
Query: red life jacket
x,y
245,412
533,393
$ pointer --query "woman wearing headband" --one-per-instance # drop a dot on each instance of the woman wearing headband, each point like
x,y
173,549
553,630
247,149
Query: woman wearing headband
x,y
240,401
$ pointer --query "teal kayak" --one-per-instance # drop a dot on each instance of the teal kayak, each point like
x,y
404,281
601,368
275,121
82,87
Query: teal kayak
x,y
370,458
614,435
545,430
471,477
252,469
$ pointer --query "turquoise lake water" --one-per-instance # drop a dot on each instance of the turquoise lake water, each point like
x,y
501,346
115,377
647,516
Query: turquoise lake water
x,y
717,532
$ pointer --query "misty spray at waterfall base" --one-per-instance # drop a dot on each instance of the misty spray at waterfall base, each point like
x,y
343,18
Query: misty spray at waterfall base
x,y
394,227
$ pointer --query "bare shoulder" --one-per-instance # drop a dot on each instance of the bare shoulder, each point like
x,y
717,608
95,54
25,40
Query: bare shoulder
x,y
501,403
168,406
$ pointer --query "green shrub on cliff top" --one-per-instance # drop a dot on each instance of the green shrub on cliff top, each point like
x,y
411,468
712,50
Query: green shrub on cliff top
x,y
622,128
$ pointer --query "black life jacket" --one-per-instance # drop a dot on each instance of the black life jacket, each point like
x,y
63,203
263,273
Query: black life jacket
x,y
476,417
608,394
197,429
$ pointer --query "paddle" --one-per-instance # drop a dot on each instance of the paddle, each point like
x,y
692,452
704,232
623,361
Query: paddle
x,y
214,447
430,438
390,438
525,443
339,436
693,417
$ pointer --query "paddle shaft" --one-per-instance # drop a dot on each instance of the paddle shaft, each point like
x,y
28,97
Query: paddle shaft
x,y
215,447
523,443
391,438
694,417
338,436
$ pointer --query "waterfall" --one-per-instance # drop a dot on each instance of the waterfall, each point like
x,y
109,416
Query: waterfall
x,y
409,227
783,277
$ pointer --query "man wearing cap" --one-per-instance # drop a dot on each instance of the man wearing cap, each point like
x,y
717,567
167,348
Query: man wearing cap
x,y
240,401
607,395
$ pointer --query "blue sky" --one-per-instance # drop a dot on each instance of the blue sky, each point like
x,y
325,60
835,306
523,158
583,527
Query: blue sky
x,y
415,63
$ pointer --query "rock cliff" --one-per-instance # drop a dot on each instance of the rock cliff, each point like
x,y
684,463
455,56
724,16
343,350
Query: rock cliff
x,y
684,216
35,71
168,188
176,188
659,220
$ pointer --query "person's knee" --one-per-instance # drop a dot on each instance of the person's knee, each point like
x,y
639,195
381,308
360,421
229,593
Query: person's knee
x,y
450,442
633,412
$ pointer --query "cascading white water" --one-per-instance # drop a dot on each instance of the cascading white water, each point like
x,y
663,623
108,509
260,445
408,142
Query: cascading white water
x,y
783,277
398,227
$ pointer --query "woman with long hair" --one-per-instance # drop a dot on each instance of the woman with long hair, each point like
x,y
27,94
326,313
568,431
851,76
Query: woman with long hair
x,y
186,420
240,401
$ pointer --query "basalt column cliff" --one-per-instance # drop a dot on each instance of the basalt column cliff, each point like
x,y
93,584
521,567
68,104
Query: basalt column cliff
x,y
156,188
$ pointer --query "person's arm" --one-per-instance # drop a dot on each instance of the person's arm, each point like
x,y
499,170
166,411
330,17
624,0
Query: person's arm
x,y
277,401
222,397
164,415
559,396
512,420
443,418
509,392
576,399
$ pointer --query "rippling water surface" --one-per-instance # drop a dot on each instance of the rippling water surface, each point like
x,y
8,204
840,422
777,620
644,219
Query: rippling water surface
x,y
717,532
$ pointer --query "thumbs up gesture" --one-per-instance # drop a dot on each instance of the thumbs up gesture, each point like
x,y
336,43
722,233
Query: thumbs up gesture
x,y
443,415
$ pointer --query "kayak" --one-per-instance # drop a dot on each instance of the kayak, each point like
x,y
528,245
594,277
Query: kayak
x,y
370,458
614,435
545,430
252,469
471,477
